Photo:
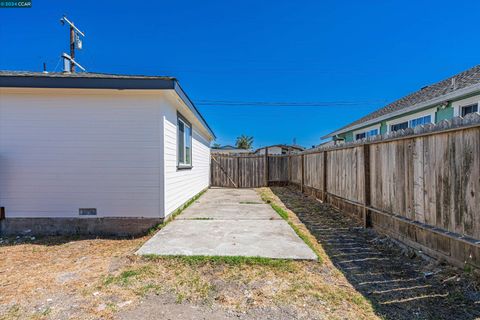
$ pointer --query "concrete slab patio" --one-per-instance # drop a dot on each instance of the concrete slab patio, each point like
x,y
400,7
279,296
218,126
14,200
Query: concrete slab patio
x,y
229,222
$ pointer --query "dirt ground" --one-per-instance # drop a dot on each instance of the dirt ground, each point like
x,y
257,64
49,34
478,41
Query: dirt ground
x,y
78,278
399,283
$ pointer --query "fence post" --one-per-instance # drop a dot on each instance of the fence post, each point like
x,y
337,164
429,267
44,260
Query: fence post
x,y
211,170
367,219
289,178
267,172
238,171
324,194
2,213
303,173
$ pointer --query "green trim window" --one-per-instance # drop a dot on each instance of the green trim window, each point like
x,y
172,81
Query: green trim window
x,y
366,134
399,126
420,121
184,143
411,123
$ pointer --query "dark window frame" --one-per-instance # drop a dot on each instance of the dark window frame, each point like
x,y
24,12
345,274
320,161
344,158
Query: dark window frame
x,y
397,125
183,166
366,134
473,106
361,135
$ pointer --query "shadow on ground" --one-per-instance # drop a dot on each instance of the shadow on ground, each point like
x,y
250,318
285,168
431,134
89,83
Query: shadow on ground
x,y
399,284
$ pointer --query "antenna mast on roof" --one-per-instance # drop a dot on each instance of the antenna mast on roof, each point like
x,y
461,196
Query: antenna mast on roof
x,y
75,41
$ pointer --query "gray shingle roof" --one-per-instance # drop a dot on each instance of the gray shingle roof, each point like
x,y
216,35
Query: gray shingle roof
x,y
93,75
462,80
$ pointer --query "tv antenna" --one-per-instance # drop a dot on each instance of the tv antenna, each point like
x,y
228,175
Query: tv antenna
x,y
75,42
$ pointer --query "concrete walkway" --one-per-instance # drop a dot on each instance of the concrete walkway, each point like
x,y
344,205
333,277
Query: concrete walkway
x,y
229,222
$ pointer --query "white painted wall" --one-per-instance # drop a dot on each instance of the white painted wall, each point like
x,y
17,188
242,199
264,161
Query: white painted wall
x,y
271,150
68,149
275,150
181,185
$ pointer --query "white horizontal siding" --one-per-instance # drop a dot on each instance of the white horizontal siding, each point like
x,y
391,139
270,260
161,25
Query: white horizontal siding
x,y
181,185
62,152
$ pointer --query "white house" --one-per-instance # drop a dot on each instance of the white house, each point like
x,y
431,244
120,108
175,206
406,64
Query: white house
x,y
228,149
278,149
97,153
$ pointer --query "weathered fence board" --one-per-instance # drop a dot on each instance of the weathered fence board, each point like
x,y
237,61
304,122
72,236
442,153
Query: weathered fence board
x,y
251,172
314,170
224,171
278,168
237,171
431,179
296,169
345,175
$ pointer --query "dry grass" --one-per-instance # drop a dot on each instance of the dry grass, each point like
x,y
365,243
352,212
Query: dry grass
x,y
96,278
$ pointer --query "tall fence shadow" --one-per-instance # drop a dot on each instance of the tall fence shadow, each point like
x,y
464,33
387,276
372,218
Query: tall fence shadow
x,y
399,285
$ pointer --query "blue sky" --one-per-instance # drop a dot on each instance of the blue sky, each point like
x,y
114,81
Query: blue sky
x,y
364,52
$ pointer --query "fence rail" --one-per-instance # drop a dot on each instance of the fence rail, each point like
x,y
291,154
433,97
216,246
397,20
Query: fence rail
x,y
422,189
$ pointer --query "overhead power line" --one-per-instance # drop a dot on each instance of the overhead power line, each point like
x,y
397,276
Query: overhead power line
x,y
288,103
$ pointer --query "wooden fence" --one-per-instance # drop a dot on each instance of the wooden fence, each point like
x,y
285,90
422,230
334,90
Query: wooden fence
x,y
238,171
248,171
422,189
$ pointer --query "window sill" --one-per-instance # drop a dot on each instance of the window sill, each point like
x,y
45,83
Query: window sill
x,y
181,167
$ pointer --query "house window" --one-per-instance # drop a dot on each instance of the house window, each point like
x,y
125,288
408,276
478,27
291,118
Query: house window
x,y
399,126
468,109
411,123
366,134
184,143
359,136
420,121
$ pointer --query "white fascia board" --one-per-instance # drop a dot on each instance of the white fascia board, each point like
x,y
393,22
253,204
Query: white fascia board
x,y
450,96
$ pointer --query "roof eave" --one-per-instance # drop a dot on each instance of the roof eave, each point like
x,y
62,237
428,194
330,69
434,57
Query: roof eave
x,y
85,83
430,103
178,89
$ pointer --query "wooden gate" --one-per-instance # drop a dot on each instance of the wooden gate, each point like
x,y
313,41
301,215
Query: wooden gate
x,y
238,171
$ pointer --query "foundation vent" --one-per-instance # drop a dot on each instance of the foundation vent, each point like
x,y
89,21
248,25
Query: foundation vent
x,y
87,211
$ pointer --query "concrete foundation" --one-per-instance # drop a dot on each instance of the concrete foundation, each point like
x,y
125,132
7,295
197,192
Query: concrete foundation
x,y
77,226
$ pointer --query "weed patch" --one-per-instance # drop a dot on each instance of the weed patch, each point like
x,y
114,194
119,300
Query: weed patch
x,y
196,261
177,212
127,276
303,234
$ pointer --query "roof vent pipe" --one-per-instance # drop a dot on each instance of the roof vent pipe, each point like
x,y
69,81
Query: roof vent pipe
x,y
66,64
454,83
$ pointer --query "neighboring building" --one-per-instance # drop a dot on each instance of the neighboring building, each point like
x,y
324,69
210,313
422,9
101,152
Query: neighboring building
x,y
279,149
455,96
329,143
97,153
230,150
